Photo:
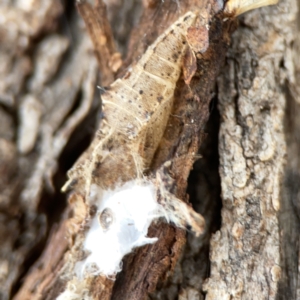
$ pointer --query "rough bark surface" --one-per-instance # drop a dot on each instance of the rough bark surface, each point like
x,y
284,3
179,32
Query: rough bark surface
x,y
246,184
245,253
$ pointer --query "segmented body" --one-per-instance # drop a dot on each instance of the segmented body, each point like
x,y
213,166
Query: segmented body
x,y
136,109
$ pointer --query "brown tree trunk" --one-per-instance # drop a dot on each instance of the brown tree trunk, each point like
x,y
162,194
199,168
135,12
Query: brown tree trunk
x,y
245,121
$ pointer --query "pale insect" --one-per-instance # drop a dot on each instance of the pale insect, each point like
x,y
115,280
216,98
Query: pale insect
x,y
136,109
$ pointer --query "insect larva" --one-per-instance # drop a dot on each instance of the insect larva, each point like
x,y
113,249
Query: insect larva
x,y
145,96
136,109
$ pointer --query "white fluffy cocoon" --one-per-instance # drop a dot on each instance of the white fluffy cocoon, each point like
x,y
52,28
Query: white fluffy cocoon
x,y
131,209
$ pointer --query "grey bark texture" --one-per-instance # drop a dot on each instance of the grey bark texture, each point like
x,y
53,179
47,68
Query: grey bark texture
x,y
246,183
252,148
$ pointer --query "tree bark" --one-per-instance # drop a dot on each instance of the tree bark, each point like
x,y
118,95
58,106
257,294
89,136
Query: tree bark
x,y
245,121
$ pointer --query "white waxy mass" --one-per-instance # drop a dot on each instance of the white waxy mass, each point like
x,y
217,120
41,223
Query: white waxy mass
x,y
120,224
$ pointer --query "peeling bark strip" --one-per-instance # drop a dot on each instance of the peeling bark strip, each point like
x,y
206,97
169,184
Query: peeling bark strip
x,y
100,32
153,147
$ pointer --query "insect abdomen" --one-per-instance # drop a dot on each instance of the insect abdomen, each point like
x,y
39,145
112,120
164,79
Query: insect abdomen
x,y
133,101
136,109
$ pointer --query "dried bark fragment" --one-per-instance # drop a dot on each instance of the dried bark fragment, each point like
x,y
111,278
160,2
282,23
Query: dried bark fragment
x,y
95,18
197,37
189,66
